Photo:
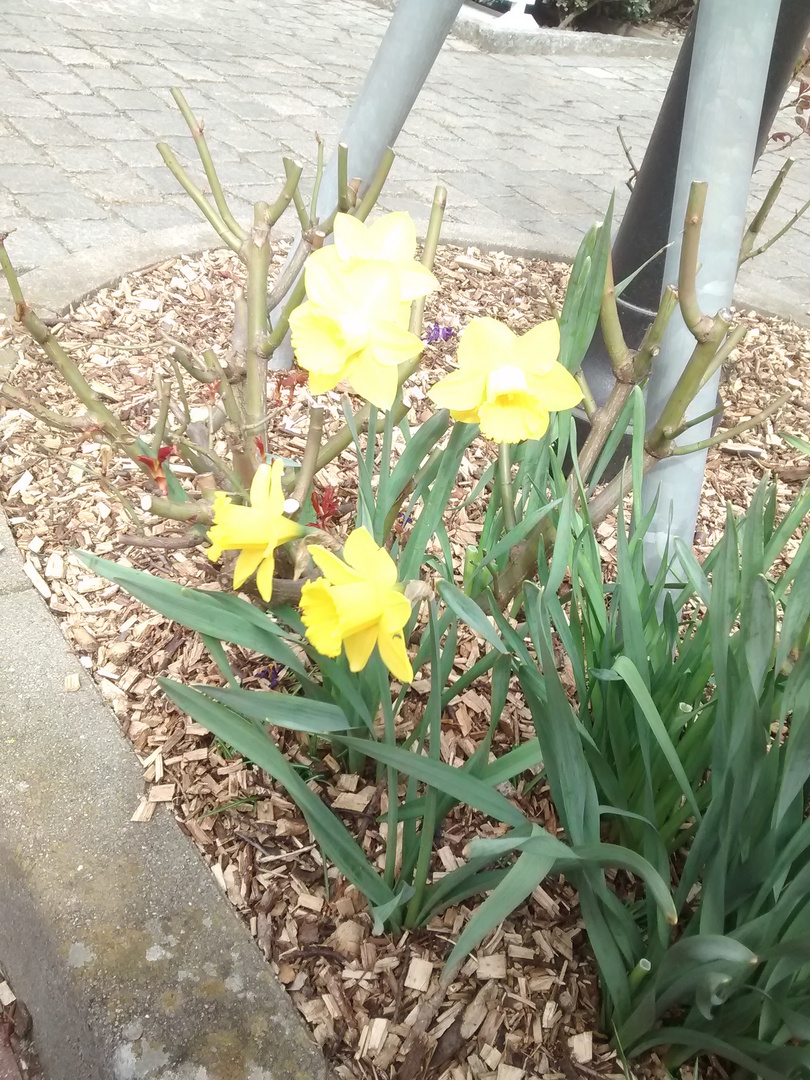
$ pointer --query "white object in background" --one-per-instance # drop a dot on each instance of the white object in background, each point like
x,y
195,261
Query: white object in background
x,y
518,17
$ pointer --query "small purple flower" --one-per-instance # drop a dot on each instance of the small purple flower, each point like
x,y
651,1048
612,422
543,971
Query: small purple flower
x,y
272,674
438,333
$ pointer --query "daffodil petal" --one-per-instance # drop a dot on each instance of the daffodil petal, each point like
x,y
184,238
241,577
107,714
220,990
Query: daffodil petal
x,y
333,569
537,350
375,382
392,237
396,612
460,390
358,605
375,290
240,526
327,285
372,562
557,389
319,616
415,280
360,646
317,339
392,344
513,418
264,577
328,256
275,502
351,238
260,487
395,656
246,563
484,345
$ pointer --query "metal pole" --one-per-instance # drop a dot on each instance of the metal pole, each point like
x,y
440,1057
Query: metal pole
x,y
645,225
732,50
406,55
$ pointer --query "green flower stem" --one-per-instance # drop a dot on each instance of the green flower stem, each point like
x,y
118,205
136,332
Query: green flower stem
x,y
309,461
292,171
289,274
105,420
163,414
588,401
621,358
761,216
692,378
199,199
652,339
230,402
181,390
192,512
428,257
639,973
343,178
785,228
279,331
21,399
180,355
375,187
258,265
734,338
392,783
342,439
10,273
316,186
196,130
507,497
732,433
700,325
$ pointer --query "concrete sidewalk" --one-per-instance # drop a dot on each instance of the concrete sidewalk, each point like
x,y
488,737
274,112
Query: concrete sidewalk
x,y
526,145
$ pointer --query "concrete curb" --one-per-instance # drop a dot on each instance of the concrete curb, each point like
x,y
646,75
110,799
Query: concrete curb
x,y
485,31
55,289
133,964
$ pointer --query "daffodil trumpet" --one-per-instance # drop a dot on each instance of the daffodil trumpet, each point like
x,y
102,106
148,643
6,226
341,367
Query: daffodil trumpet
x,y
358,604
508,384
255,531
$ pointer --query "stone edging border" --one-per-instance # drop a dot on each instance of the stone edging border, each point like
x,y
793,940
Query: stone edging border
x,y
131,961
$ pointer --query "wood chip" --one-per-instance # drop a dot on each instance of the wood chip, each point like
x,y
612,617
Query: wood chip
x,y
162,793
144,811
6,995
581,1047
419,973
36,580
492,967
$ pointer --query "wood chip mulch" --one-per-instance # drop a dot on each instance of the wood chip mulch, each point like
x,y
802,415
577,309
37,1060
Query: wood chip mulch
x,y
526,1003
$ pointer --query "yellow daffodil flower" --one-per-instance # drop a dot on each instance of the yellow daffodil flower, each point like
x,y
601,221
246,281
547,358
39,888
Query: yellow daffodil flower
x,y
255,530
391,239
358,604
505,383
349,329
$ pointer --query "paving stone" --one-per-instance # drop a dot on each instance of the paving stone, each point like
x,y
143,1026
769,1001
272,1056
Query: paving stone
x,y
102,78
15,44
159,216
31,244
24,107
32,179
82,159
129,98
65,204
30,62
136,152
16,151
110,128
71,104
46,132
78,57
77,234
57,82
114,188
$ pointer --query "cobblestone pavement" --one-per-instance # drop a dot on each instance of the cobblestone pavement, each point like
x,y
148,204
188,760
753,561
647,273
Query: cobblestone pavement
x,y
526,145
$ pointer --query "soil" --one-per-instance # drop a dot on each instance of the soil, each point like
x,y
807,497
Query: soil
x,y
526,1003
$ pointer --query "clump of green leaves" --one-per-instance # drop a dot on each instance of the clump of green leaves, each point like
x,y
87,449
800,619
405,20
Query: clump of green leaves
x,y
689,746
